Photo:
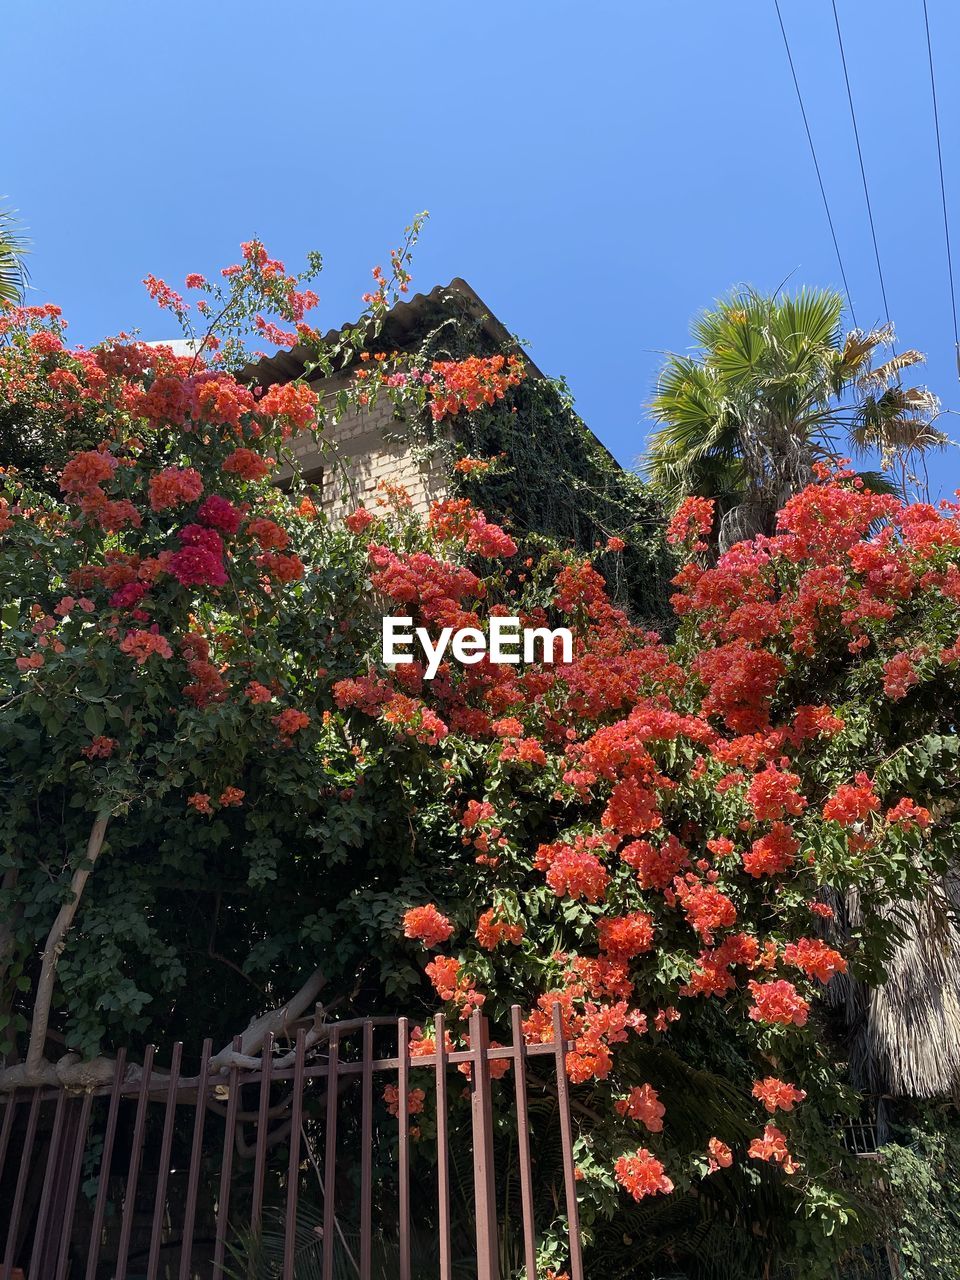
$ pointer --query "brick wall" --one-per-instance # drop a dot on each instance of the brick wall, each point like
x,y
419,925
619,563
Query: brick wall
x,y
363,452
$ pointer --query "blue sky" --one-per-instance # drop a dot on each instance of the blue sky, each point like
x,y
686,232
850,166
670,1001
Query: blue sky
x,y
598,172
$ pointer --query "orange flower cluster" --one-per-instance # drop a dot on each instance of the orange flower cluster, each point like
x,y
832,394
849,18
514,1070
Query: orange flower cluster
x,y
642,1103
642,1174
774,1094
415,1100
467,384
773,1146
492,931
427,924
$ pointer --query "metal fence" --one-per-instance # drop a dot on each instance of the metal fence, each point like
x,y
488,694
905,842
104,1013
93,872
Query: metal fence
x,y
297,1165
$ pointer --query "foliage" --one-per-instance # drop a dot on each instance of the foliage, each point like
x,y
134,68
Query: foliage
x,y
776,386
920,1171
532,463
207,770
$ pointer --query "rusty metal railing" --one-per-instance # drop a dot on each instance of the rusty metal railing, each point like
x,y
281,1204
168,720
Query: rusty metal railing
x,y
171,1177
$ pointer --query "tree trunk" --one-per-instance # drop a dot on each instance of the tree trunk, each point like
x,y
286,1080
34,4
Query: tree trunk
x,y
56,940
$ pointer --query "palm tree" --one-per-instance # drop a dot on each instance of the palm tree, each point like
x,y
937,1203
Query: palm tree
x,y
13,249
775,386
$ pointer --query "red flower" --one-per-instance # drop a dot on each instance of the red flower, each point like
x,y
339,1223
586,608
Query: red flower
x,y
427,924
642,1103
85,472
655,865
142,645
624,937
174,486
199,562
491,932
290,722
476,811
359,520
899,676
774,794
719,1155
415,1100
778,1002
219,513
907,815
774,1093
706,908
247,464
772,1146
268,534
576,872
642,1174
489,540
693,520
815,958
295,402
852,802
773,853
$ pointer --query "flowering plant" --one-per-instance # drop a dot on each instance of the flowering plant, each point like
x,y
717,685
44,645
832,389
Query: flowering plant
x,y
659,838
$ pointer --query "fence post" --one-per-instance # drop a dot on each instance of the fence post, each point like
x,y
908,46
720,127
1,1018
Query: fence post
x,y
566,1141
481,1106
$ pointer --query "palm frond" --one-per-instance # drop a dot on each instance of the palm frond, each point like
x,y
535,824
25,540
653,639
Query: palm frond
x,y
882,375
13,249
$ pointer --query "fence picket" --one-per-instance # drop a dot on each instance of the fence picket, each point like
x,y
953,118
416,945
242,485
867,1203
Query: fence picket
x,y
523,1144
330,1156
366,1154
49,1177
484,1189
443,1150
170,1111
566,1140
9,1111
196,1151
133,1169
106,1158
73,1186
263,1125
226,1169
293,1164
50,1238
403,1119
25,1154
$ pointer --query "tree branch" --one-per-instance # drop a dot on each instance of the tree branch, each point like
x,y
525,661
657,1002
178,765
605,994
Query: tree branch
x,y
56,940
275,1020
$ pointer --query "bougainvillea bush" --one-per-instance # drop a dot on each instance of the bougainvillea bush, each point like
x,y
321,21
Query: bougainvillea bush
x,y
212,787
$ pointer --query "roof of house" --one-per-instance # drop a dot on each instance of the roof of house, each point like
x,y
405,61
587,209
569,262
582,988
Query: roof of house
x,y
404,326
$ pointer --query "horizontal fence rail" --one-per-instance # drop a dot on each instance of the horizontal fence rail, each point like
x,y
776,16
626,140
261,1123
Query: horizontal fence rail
x,y
347,1151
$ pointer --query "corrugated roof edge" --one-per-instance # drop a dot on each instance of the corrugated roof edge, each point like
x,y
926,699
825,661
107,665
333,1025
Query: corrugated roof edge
x,y
401,320
399,323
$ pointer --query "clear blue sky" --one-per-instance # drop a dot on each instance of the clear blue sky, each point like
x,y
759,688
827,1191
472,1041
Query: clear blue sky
x,y
598,172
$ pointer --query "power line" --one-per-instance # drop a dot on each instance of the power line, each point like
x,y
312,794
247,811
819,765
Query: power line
x,y
816,162
863,172
943,189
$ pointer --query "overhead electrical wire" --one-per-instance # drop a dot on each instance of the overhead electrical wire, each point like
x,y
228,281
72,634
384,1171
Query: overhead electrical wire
x,y
943,188
816,162
863,171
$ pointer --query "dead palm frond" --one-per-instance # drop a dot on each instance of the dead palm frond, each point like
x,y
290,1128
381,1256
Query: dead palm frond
x,y
904,1034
